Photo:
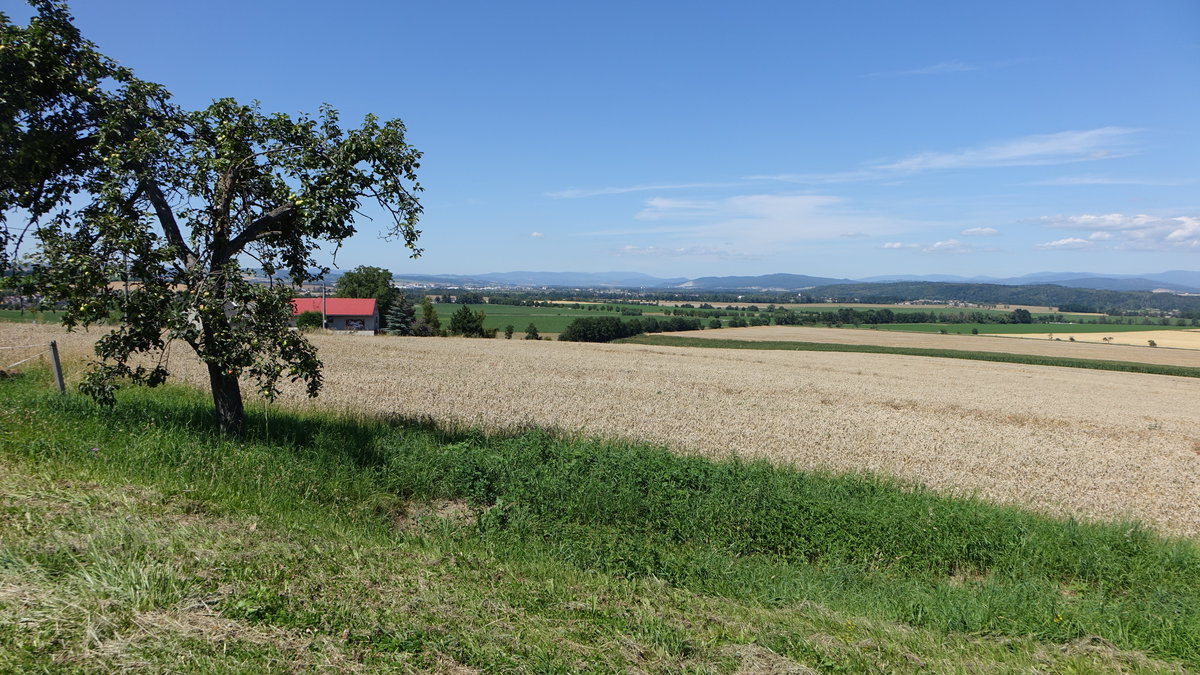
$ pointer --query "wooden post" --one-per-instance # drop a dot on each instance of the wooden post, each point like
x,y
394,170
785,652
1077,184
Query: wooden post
x,y
58,376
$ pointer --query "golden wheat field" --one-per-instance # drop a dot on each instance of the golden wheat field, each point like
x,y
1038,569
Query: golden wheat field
x,y
1062,440
1137,352
1169,339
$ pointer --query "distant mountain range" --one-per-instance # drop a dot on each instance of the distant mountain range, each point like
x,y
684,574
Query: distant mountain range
x,y
1179,281
563,279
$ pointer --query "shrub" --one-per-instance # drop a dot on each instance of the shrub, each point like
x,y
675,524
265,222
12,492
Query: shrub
x,y
310,320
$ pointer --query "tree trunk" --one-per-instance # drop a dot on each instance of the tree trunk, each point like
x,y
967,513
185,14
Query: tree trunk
x,y
227,396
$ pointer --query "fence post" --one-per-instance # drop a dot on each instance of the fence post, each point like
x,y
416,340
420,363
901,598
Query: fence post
x,y
58,377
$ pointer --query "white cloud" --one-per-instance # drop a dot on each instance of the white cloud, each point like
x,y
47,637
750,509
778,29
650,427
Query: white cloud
x,y
897,244
948,246
1070,243
595,192
1039,149
679,252
536,235
980,232
1107,221
1139,232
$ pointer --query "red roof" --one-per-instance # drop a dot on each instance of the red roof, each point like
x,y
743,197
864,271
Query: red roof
x,y
335,306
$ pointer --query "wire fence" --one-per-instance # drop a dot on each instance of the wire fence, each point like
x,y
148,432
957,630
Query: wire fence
x,y
51,349
41,349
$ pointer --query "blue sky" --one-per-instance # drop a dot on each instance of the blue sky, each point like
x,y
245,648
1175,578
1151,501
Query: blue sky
x,y
843,139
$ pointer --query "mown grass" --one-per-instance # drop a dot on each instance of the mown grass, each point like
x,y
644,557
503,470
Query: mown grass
x,y
317,543
1001,357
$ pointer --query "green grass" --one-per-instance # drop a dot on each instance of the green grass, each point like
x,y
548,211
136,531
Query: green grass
x,y
136,538
1059,330
30,316
1001,357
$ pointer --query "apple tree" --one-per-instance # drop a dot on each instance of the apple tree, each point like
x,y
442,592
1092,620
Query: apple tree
x,y
110,180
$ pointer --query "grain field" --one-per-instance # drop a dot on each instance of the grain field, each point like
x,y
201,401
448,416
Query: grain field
x,y
1163,339
1062,440
1012,344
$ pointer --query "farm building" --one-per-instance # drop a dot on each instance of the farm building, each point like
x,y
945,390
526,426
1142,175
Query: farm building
x,y
343,314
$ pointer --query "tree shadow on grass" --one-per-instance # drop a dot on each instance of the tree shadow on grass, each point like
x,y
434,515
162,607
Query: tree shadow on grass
x,y
359,440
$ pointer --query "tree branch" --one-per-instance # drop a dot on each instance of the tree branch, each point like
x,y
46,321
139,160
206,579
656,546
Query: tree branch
x,y
262,227
167,218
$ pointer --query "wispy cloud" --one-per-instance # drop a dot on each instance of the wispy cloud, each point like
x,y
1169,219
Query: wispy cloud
x,y
1068,244
701,252
1065,147
536,235
765,218
980,232
948,246
1112,180
773,207
748,225
897,245
820,178
1036,150
942,68
596,192
1133,232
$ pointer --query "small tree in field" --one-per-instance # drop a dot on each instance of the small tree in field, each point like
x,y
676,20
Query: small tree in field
x,y
531,333
467,322
508,331
310,320
116,181
401,316
429,316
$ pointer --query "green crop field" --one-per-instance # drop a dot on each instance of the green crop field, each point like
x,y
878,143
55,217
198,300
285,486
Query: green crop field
x,y
1058,329
547,319
29,316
